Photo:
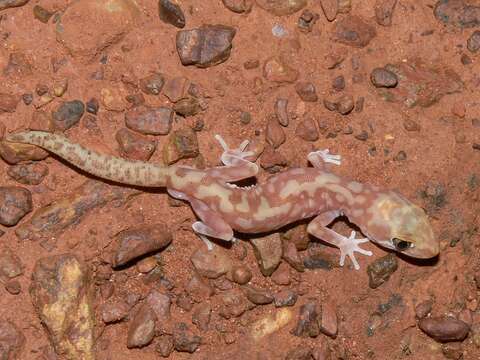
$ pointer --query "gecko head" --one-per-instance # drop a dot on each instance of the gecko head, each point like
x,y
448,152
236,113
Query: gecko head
x,y
397,224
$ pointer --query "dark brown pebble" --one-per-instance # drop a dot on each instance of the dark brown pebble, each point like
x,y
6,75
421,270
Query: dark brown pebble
x,y
383,78
380,270
41,14
27,98
171,13
444,329
384,11
359,104
238,6
184,340
245,117
354,31
362,136
410,125
473,42
476,146
338,83
285,298
41,89
15,203
187,107
92,106
307,20
68,114
466,60
423,309
28,174
152,84
306,91
251,64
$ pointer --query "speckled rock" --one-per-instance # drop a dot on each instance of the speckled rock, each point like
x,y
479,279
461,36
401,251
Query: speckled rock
x,y
135,146
28,174
68,114
181,144
15,203
238,6
307,324
211,264
152,84
141,329
205,46
150,121
10,264
282,7
381,77
268,251
460,13
184,339
380,270
354,31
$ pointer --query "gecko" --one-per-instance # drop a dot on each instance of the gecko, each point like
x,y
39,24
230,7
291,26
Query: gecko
x,y
383,216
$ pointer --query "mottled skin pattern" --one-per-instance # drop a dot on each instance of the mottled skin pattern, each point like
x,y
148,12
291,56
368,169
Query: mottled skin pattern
x,y
384,217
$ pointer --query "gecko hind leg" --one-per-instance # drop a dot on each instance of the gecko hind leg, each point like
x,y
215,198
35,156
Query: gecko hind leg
x,y
320,157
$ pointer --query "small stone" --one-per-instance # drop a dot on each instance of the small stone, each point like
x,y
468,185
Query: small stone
x,y
270,323
274,134
307,324
8,103
42,14
307,130
135,242
335,58
187,107
241,274
423,309
278,71
466,60
473,42
460,13
345,104
410,125
330,9
201,316
13,153
344,6
238,6
298,236
272,161
211,263
359,104
13,287
281,276
68,114
444,329
41,89
307,20
15,203
152,84
291,256
150,121
171,13
354,31
285,298
27,98
114,310
251,64
258,296
135,99
362,135
42,101
182,144
60,87
10,264
206,46
384,11
338,84
268,251
184,302
281,111
306,91
112,99
329,322
282,7
164,345
381,269
381,77
176,89
135,146
28,174
400,156
141,329
92,106
245,117
453,351
184,340
146,265
160,305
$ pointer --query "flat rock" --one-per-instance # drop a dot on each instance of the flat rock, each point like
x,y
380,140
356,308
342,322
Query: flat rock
x,y
68,114
354,31
14,153
135,146
460,13
421,84
12,341
6,4
181,144
205,46
282,7
211,263
268,251
10,264
444,329
104,23
28,174
139,241
278,70
141,329
150,121
61,293
15,203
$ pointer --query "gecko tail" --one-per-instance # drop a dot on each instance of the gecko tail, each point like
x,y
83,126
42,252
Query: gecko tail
x,y
108,167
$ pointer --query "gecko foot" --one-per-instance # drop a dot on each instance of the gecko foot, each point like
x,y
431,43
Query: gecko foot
x,y
325,156
349,246
229,155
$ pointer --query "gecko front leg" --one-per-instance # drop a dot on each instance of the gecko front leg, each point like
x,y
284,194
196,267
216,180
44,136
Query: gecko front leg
x,y
348,246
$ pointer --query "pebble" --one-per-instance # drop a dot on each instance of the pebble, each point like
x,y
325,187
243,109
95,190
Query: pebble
x,y
171,13
423,309
258,296
362,135
452,351
282,7
270,323
330,9
285,298
384,11
274,134
13,153
211,263
307,20
444,329
135,99
382,77
164,345
238,6
338,84
307,130
13,287
205,46
272,161
138,241
41,89
184,302
92,106
114,310
291,256
201,316
241,274
234,303
12,339
150,121
400,156
15,203
466,60
279,31
28,174
146,265
181,144
68,114
8,103
277,70
184,340
354,31
27,98
298,236
473,42
411,125
329,321
10,264
345,104
198,288
134,146
176,88
112,99
380,270
306,91
268,252
42,14
160,304
460,13
6,4
152,84
60,87
187,107
281,276
307,323
335,58
344,6
281,111
141,329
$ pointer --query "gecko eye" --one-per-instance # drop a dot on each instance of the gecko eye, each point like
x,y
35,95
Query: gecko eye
x,y
401,245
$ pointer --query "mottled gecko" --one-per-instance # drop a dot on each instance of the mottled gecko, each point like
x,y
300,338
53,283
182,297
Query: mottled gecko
x,y
385,217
